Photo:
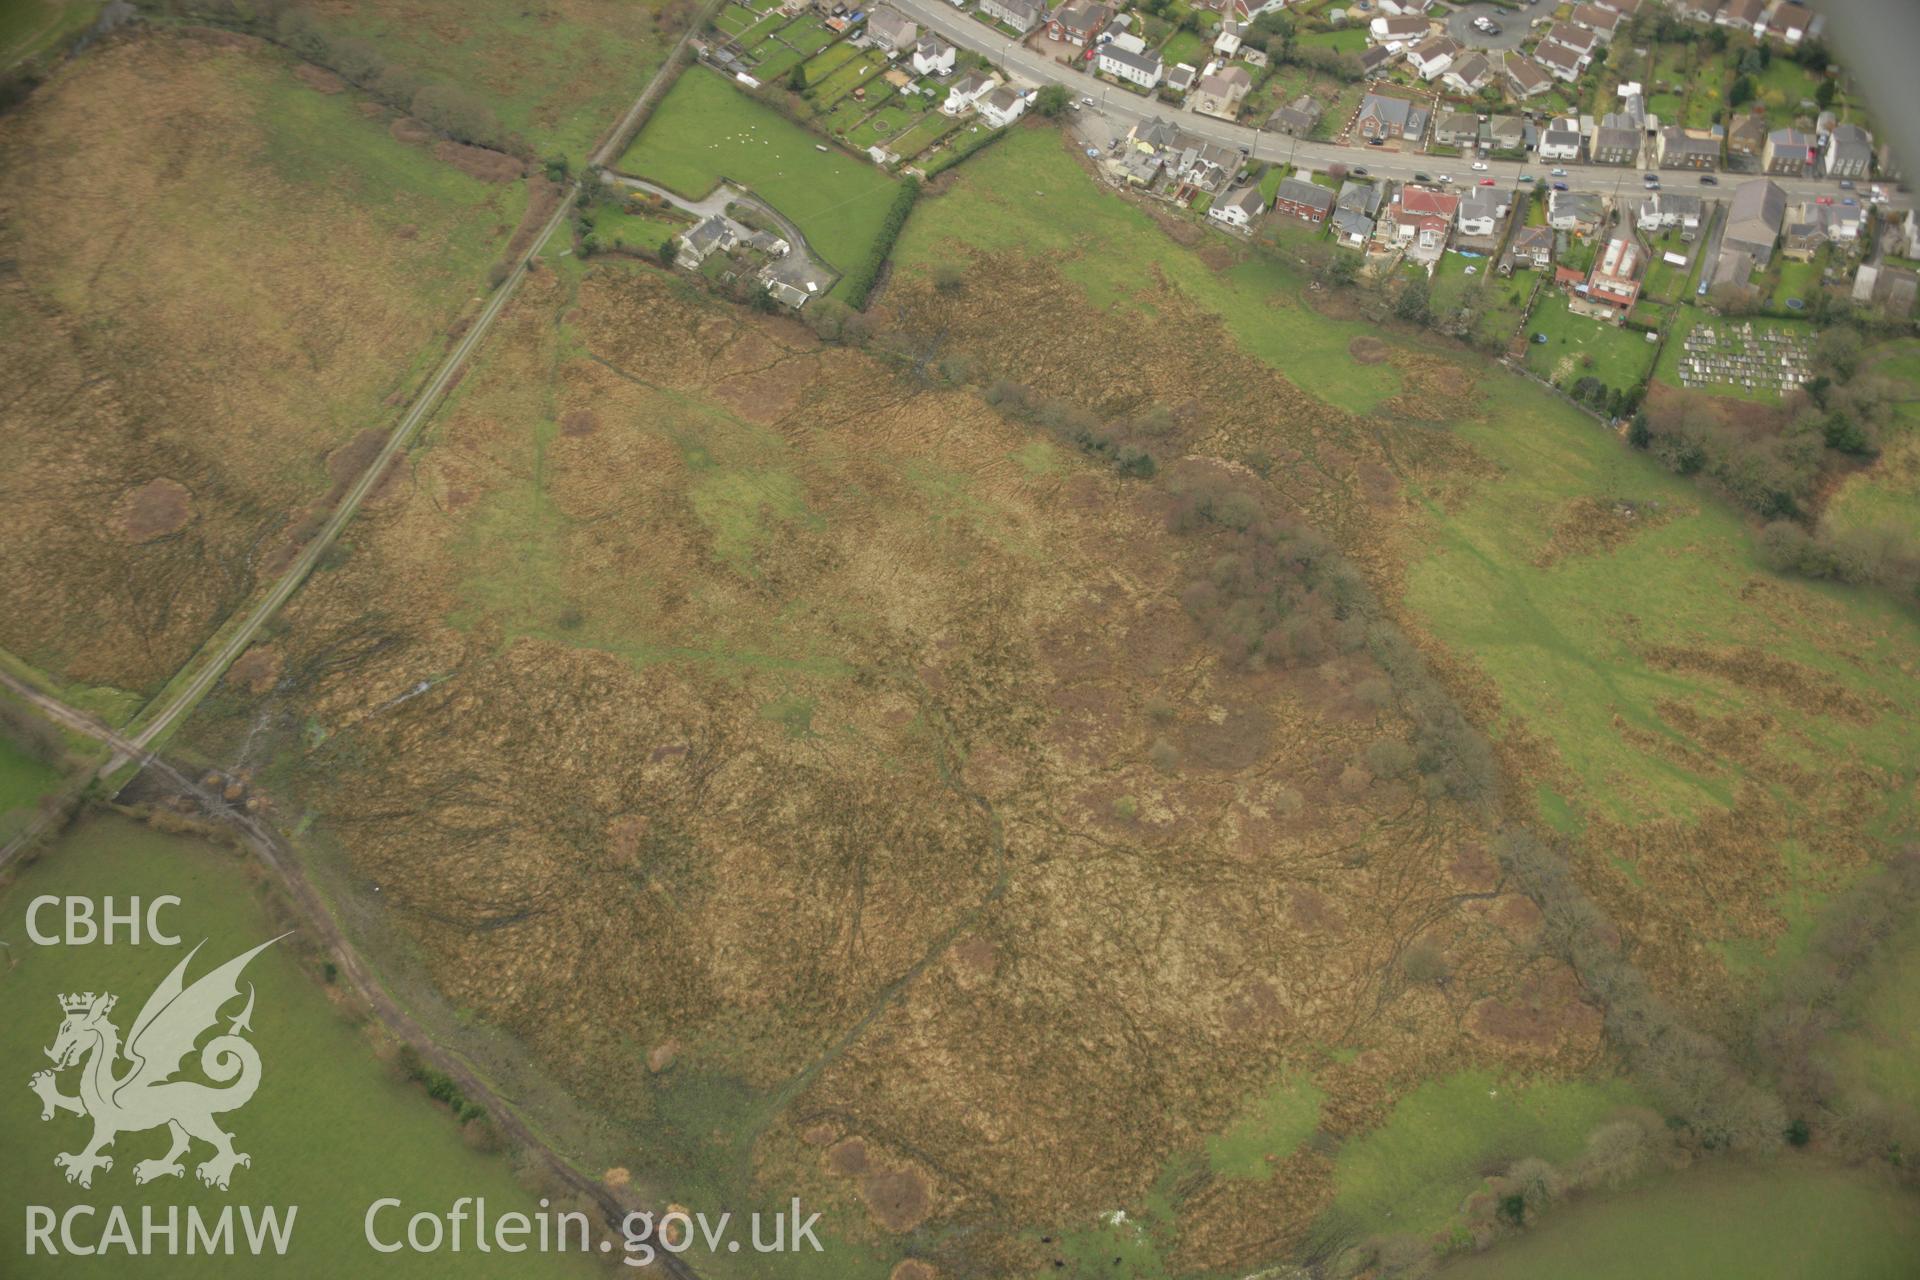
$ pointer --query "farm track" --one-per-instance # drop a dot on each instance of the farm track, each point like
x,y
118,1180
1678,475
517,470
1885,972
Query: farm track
x,y
206,669
279,858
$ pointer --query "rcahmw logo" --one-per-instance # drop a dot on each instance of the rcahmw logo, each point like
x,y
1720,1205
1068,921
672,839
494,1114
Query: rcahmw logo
x,y
144,1094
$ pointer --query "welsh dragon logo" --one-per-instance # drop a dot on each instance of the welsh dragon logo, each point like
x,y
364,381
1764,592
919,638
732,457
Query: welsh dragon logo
x,y
145,1095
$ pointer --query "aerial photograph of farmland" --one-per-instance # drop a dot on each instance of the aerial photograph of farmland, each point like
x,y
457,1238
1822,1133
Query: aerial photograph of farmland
x,y
960,639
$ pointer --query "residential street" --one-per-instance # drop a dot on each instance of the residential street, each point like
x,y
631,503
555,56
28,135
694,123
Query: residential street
x,y
1127,108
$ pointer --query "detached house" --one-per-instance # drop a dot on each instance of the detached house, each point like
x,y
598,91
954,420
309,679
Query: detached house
x,y
1219,94
1398,33
933,57
1420,219
1375,59
1237,208
1307,201
1003,106
1432,57
1469,75
1575,211
1078,23
1559,61
698,243
1481,212
1525,76
1591,17
1741,15
1384,117
1561,140
965,93
1297,119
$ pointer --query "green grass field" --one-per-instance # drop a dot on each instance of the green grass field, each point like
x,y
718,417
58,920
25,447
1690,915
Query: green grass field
x,y
31,28
1412,1173
704,131
561,77
328,1130
1269,1129
1792,1220
1618,357
1887,494
23,780
1553,639
1025,194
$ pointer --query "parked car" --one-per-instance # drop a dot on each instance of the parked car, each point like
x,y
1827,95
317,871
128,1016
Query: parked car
x,y
1356,172
1376,142
1525,177
1446,179
1649,177
1823,200
1421,177
1849,200
1559,173
1559,186
1708,180
1480,166
1846,184
1486,182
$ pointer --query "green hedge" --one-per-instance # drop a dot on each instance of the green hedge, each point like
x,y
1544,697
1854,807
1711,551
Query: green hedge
x,y
861,282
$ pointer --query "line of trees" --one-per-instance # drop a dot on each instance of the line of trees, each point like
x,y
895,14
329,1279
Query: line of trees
x,y
1691,1074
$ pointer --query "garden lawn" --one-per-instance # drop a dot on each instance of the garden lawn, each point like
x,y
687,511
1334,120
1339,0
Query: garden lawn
x,y
1621,357
932,127
704,130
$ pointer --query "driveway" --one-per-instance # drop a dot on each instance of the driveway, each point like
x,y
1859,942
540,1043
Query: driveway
x,y
1513,25
801,267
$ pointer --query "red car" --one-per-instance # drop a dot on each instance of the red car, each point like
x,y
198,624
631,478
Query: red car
x,y
1824,200
1486,182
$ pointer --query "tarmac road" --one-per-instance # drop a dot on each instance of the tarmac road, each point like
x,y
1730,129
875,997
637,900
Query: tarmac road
x,y
1125,109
